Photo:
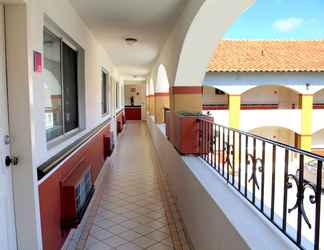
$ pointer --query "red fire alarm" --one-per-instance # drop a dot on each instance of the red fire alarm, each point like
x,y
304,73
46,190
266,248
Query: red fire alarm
x,y
37,62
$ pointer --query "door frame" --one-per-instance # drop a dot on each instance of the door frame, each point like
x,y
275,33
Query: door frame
x,y
19,54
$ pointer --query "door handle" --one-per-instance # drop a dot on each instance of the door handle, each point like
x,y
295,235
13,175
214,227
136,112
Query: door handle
x,y
11,161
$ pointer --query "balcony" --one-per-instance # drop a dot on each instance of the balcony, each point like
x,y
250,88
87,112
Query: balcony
x,y
76,175
283,183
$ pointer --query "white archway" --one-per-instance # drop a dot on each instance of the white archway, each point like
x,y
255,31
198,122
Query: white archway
x,y
282,96
151,87
162,82
192,65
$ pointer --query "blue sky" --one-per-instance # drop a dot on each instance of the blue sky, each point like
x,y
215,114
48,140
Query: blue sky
x,y
280,19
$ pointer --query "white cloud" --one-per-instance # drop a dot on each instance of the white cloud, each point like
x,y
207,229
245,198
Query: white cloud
x,y
288,24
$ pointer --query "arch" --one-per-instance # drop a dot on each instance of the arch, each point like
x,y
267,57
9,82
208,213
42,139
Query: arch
x,y
249,88
276,133
147,88
319,97
278,96
318,139
151,87
162,81
192,66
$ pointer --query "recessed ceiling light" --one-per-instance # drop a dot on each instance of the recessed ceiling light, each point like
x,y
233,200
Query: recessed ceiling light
x,y
131,40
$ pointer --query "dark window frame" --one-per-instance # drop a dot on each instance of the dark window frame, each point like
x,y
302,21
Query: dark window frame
x,y
117,95
76,72
105,92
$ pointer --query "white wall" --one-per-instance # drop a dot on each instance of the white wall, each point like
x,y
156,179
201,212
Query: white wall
x,y
277,134
318,139
318,115
237,83
68,22
286,118
139,94
220,116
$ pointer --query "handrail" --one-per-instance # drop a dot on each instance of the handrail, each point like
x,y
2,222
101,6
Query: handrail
x,y
279,144
272,176
46,167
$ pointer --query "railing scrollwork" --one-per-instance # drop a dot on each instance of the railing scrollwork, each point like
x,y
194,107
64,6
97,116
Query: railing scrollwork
x,y
257,165
301,188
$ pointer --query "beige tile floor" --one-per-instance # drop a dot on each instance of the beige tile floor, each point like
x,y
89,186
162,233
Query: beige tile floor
x,y
132,212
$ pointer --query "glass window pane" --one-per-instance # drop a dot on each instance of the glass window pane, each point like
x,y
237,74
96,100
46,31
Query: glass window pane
x,y
70,88
104,93
117,95
52,86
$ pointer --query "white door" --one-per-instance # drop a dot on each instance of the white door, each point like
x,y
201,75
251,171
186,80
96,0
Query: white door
x,y
7,220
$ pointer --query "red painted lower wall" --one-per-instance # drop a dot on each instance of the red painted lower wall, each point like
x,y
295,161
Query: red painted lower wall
x,y
49,190
120,117
133,113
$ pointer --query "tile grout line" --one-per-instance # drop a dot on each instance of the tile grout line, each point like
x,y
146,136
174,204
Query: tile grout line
x,y
166,206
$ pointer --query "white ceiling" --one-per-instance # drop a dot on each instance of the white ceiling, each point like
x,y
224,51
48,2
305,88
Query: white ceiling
x,y
150,21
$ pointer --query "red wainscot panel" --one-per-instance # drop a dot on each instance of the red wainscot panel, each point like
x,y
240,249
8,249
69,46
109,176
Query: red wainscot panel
x,y
50,190
119,119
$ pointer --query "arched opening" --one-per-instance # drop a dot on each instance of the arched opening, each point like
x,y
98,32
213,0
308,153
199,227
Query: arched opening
x,y
151,97
162,82
162,99
270,97
319,99
318,142
279,134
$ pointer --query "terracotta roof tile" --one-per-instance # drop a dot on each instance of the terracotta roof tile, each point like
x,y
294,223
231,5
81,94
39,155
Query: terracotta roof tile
x,y
268,56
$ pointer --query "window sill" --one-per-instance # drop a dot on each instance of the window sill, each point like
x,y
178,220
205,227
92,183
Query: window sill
x,y
58,141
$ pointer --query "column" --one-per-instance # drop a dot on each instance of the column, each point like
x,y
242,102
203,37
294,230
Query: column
x,y
152,104
234,109
147,104
306,102
162,100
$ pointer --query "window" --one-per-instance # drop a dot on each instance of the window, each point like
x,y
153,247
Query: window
x,y
60,78
117,95
104,92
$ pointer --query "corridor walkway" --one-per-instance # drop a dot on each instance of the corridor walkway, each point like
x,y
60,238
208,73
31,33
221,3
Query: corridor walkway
x,y
132,212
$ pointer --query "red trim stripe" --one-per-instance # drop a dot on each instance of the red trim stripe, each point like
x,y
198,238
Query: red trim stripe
x,y
187,90
161,94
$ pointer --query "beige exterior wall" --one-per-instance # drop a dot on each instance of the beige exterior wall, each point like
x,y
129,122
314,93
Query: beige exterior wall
x,y
152,104
187,102
161,102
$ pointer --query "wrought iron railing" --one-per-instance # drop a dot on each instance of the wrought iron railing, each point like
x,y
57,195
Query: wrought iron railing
x,y
274,177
